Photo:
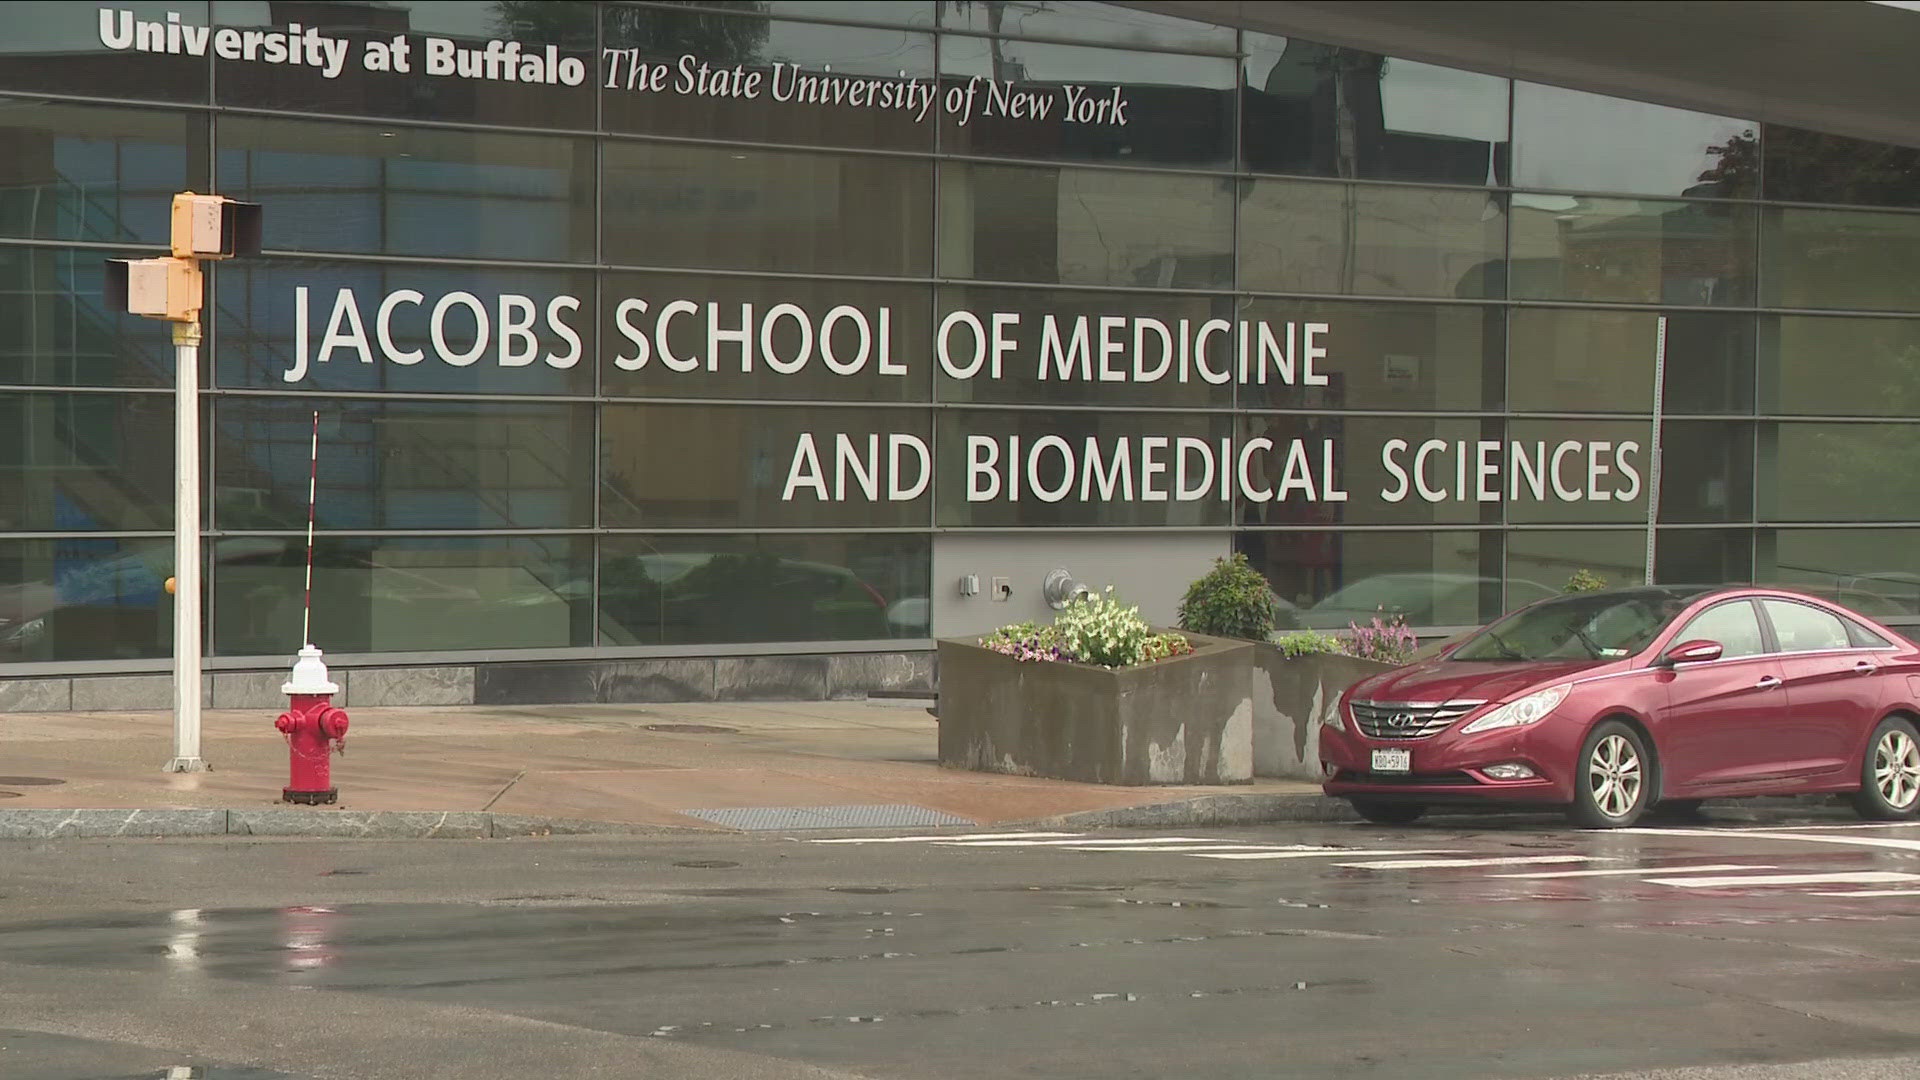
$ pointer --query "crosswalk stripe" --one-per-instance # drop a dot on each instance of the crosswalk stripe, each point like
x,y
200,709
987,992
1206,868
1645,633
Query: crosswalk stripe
x,y
1319,854
1857,877
1187,849
1848,841
1871,892
1630,871
928,839
1435,864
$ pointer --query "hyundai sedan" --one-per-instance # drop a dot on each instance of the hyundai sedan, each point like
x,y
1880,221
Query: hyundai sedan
x,y
1609,703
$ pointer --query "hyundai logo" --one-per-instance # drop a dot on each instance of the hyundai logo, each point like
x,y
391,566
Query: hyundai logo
x,y
1402,720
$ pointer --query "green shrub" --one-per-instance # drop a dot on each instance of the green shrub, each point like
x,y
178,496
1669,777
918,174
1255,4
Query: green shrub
x,y
1307,643
1231,600
1584,581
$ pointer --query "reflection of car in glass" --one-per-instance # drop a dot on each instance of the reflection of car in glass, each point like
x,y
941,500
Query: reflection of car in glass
x,y
698,596
1422,599
1607,703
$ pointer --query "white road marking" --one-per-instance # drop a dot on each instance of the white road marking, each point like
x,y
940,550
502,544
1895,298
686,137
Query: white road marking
x,y
1871,892
929,839
1712,868
1848,841
1856,877
1826,828
1318,854
1434,864
1188,849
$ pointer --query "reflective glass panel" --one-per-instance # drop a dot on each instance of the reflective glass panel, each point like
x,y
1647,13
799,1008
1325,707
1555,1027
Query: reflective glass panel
x,y
403,464
742,466
1571,140
1841,259
1703,556
403,594
1568,247
1387,356
1596,471
1330,580
1569,360
1812,166
1839,472
1302,236
704,74
1540,563
94,598
693,336
55,327
411,191
1035,467
118,50
529,64
741,209
1814,365
84,172
85,462
356,326
1085,226
1086,20
681,589
1329,110
1029,99
1876,572
1085,348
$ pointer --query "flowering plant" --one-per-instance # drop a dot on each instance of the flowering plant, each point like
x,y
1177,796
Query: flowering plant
x,y
1386,640
1094,630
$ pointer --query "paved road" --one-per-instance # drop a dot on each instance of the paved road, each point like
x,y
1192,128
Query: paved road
x,y
1497,947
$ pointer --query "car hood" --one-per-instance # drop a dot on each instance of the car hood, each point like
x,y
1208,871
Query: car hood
x,y
1468,680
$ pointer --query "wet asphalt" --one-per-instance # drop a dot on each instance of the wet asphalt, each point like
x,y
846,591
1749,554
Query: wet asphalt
x,y
1434,950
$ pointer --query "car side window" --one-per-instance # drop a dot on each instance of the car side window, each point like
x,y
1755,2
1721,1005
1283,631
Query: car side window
x,y
1733,624
1864,638
1804,628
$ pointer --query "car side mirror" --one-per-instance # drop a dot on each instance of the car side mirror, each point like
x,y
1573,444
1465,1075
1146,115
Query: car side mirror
x,y
1691,652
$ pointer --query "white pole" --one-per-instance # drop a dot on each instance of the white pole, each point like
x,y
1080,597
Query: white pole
x,y
186,551
1653,453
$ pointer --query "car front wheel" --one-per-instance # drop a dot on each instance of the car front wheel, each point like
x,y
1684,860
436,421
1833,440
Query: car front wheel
x,y
1890,775
1614,781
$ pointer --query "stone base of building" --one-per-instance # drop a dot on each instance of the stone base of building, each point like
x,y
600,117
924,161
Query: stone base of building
x,y
805,677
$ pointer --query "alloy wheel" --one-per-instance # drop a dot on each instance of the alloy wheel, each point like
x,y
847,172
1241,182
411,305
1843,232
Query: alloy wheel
x,y
1614,774
1896,769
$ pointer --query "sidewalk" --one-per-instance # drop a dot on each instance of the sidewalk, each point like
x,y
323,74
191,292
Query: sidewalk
x,y
489,770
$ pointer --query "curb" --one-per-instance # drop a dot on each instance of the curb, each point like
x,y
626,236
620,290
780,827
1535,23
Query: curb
x,y
41,824
1203,811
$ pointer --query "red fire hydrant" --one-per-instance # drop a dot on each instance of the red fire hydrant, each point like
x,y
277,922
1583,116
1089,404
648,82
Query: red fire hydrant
x,y
311,725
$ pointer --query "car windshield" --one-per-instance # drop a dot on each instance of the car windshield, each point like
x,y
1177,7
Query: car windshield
x,y
1592,626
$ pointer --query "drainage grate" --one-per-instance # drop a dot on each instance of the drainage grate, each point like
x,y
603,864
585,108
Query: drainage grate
x,y
766,818
29,781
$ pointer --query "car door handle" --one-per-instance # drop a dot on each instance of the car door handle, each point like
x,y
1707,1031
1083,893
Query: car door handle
x,y
1767,683
1863,668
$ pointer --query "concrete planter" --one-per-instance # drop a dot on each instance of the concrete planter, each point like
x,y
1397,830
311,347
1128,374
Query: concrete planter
x,y
1291,699
1187,720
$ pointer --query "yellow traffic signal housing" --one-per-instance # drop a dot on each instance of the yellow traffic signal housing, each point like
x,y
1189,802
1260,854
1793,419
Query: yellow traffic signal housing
x,y
214,227
157,288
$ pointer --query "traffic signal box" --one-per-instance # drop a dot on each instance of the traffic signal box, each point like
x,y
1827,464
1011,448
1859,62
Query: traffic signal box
x,y
204,227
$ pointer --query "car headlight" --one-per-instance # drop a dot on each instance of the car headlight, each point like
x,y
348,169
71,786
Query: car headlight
x,y
1527,710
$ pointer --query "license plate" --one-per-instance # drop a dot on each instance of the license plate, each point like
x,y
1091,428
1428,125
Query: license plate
x,y
1393,761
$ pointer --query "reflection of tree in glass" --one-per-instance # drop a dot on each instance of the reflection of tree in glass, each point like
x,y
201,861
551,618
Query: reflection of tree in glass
x,y
1810,166
631,598
717,38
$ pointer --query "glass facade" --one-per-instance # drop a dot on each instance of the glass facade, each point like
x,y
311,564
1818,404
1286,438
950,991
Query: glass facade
x,y
638,326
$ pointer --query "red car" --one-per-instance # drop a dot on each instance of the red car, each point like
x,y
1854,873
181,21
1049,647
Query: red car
x,y
1608,703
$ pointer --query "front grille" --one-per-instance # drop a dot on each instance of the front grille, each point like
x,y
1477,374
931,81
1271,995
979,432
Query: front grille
x,y
1408,719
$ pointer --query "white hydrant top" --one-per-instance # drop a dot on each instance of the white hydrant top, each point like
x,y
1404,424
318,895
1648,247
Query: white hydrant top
x,y
309,675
